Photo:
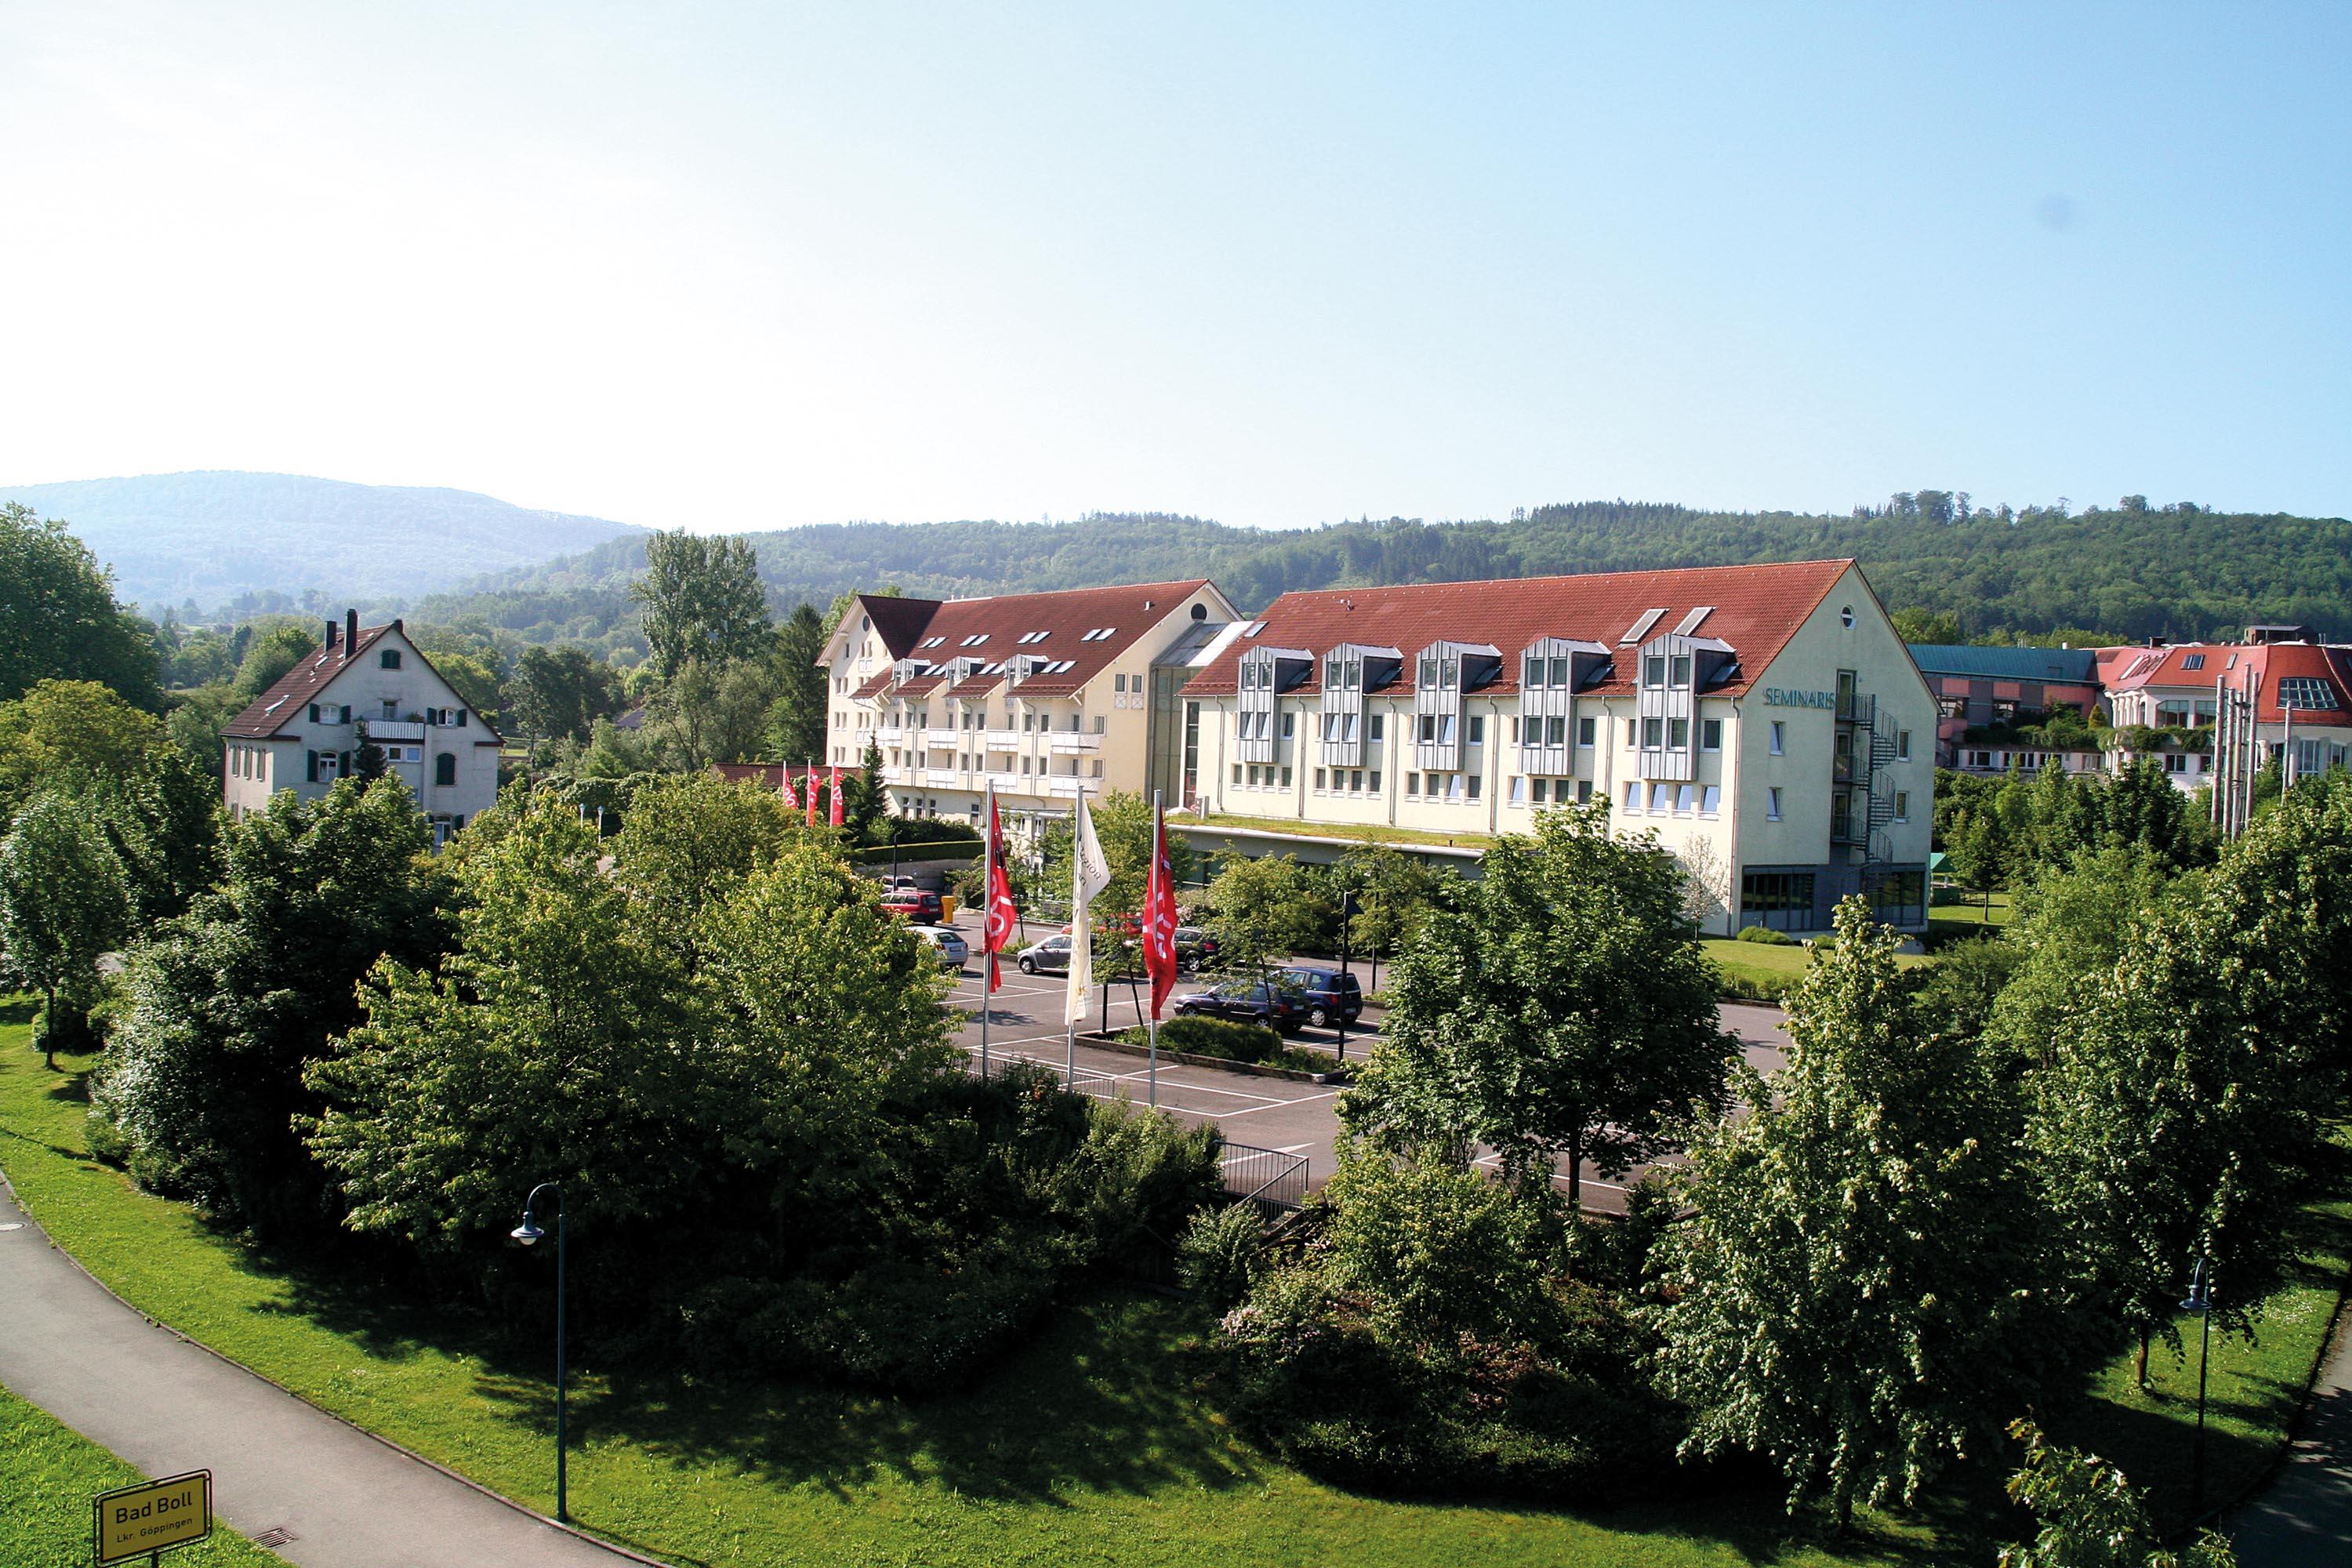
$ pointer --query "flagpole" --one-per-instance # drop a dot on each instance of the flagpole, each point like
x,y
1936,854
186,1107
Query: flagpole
x,y
1078,883
1159,836
987,914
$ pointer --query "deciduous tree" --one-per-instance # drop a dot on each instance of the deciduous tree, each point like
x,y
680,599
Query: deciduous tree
x,y
1562,1009
702,600
62,904
58,620
1853,1289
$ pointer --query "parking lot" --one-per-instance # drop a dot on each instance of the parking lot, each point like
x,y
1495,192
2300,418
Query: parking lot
x,y
1025,1022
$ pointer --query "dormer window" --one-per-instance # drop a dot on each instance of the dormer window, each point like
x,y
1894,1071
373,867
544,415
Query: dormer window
x,y
1653,671
1680,670
1428,670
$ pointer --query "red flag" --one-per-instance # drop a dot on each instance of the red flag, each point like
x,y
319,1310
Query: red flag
x,y
791,801
1003,914
836,786
808,778
1159,916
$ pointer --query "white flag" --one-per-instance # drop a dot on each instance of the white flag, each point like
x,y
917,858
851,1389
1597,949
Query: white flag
x,y
1089,875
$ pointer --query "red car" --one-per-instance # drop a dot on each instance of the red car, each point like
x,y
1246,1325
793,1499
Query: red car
x,y
915,906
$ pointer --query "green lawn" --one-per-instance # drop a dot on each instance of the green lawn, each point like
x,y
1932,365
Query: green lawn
x,y
1977,914
1089,1447
1765,963
48,1473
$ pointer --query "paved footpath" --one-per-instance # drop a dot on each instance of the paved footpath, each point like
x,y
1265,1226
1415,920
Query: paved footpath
x,y
167,1405
2305,1516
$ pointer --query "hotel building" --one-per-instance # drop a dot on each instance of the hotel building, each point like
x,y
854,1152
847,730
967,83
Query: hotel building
x,y
1045,695
1765,722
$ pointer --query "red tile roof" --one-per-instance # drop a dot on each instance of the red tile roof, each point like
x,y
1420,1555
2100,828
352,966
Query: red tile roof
x,y
1129,610
290,697
1756,609
2238,664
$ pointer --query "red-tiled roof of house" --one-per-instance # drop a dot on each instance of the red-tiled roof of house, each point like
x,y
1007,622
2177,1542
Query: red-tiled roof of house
x,y
1754,609
2236,665
290,697
1126,612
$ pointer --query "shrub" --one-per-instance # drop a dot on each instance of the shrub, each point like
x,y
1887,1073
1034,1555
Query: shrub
x,y
1230,1040
1429,1344
1765,936
1218,1256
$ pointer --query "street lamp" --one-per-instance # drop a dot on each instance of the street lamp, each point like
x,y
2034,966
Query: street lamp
x,y
530,1235
2200,1302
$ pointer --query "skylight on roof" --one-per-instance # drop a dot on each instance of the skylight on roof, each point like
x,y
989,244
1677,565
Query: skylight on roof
x,y
1641,628
1689,623
975,640
1034,636
933,642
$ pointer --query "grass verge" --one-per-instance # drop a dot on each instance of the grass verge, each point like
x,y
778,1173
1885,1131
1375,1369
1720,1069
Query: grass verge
x,y
48,1473
1345,833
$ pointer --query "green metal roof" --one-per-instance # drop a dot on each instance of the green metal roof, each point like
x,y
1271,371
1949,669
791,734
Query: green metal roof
x,y
2073,666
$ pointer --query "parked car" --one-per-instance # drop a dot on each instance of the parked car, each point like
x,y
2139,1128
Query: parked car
x,y
1052,956
914,904
1331,994
944,942
1196,950
1271,1004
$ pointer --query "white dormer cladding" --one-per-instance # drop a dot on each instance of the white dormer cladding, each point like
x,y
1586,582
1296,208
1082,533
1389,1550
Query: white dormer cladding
x,y
1349,671
906,669
1021,667
1552,670
1673,671
1266,674
1444,671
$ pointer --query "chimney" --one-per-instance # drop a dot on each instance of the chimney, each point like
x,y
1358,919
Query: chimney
x,y
350,632
332,629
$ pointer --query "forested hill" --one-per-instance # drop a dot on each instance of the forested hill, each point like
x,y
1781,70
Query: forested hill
x,y
287,541
2131,571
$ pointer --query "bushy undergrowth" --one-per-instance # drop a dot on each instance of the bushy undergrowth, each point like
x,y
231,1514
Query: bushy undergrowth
x,y
1229,1039
1426,1340
1766,936
1000,1192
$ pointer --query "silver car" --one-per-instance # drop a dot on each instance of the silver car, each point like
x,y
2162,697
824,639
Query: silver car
x,y
948,946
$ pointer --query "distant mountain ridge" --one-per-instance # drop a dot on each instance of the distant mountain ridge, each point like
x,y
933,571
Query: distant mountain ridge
x,y
211,535
2129,571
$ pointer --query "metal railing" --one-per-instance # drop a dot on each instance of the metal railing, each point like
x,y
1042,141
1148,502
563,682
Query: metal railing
x,y
1264,1175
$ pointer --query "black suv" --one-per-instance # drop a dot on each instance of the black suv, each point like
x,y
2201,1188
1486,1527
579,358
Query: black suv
x,y
1276,1005
1330,994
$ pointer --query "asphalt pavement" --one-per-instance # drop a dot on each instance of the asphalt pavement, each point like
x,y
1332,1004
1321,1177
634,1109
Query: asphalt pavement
x,y
1025,1021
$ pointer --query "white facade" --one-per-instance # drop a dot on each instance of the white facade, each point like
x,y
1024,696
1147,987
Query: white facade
x,y
1042,695
1780,788
369,684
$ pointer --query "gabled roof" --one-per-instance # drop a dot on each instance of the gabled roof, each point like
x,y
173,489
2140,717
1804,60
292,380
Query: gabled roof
x,y
1127,612
1756,609
2236,665
296,689
2077,666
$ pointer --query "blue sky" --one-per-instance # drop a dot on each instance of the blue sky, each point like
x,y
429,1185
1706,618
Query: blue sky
x,y
741,267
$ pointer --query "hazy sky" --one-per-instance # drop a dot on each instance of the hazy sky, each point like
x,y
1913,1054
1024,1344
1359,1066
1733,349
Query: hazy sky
x,y
737,266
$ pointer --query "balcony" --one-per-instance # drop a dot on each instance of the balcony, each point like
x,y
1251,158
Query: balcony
x,y
901,775
944,739
1072,741
1854,708
394,729
941,778
890,735
1068,787
1002,740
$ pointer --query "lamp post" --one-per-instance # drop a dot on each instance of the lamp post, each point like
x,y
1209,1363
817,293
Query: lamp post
x,y
2200,1302
529,1235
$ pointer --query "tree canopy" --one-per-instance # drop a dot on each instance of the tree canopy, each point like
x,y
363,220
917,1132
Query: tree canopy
x,y
58,620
